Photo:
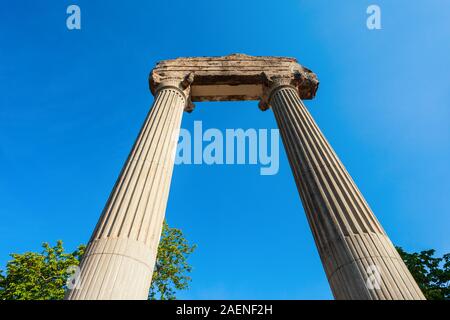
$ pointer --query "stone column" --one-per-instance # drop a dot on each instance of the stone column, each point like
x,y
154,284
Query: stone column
x,y
121,254
359,259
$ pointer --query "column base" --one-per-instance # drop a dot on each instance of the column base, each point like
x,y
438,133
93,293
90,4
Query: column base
x,y
115,269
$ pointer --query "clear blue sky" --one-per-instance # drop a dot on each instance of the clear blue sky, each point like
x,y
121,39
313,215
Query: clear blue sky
x,y
72,102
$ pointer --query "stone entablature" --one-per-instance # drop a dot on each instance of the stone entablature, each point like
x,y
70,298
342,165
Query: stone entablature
x,y
233,77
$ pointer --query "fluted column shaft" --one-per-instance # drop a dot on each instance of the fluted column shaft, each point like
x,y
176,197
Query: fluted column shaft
x,y
120,257
353,246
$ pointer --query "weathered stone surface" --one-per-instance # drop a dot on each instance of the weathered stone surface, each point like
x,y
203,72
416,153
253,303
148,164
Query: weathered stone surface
x,y
234,77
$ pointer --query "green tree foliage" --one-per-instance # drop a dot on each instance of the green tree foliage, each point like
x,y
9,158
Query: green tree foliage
x,y
432,274
38,276
171,269
43,276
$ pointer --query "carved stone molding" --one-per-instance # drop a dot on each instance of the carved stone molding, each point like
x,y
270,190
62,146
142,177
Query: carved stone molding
x,y
233,77
180,81
303,80
272,84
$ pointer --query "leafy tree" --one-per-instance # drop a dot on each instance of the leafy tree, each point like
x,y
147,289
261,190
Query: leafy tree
x,y
432,274
43,276
171,269
38,276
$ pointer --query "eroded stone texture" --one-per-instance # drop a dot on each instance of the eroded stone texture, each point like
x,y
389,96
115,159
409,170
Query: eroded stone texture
x,y
234,77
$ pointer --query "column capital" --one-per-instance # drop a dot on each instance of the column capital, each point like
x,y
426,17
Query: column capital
x,y
300,80
179,81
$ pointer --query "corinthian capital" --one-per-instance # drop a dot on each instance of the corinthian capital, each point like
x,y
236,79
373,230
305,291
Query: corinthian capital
x,y
301,79
178,80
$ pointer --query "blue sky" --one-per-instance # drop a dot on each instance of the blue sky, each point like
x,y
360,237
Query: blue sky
x,y
72,102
